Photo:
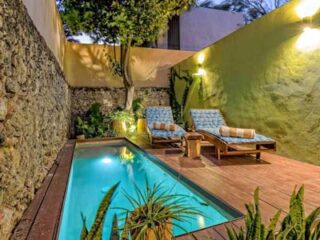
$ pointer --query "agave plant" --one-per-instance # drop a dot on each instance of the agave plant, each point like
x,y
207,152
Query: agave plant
x,y
95,232
155,212
295,226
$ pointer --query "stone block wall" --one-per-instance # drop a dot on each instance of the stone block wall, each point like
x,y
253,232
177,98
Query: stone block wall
x,y
35,112
112,98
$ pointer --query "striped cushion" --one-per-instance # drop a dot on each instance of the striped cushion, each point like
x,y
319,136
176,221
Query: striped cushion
x,y
164,126
237,132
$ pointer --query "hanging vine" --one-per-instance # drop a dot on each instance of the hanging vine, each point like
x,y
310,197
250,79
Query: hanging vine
x,y
177,108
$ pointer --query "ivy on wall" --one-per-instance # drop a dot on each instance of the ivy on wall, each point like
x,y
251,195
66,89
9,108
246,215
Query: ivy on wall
x,y
179,107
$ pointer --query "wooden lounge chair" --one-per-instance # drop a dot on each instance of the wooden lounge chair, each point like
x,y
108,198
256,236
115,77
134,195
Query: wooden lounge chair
x,y
163,115
208,121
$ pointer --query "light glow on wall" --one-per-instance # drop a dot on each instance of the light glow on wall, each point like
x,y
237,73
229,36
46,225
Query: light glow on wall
x,y
201,72
309,40
307,8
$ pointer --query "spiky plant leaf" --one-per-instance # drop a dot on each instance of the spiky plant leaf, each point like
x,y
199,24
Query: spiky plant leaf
x,y
310,221
84,231
297,212
270,232
154,210
115,230
96,229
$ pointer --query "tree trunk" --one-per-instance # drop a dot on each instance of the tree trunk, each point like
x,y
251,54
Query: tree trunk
x,y
129,97
127,80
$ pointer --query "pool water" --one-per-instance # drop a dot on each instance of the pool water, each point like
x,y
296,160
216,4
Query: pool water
x,y
96,167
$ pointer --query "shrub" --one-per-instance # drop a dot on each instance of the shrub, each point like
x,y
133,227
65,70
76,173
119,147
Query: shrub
x,y
295,226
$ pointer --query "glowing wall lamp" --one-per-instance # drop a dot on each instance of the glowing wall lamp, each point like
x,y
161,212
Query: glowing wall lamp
x,y
307,8
201,58
201,72
309,40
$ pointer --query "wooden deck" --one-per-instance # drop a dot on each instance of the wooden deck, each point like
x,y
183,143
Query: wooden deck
x,y
232,179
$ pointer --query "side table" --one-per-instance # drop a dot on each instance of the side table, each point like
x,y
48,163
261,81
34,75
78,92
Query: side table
x,y
193,145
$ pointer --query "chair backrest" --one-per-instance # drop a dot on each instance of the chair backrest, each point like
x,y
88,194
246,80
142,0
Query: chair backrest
x,y
206,118
158,114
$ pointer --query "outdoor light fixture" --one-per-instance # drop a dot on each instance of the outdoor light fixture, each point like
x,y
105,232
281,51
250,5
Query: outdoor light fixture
x,y
309,40
201,59
201,72
307,8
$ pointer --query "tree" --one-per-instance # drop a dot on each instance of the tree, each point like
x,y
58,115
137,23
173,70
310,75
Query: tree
x,y
126,23
252,9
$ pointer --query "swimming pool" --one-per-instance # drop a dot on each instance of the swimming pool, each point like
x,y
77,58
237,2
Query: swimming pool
x,y
97,166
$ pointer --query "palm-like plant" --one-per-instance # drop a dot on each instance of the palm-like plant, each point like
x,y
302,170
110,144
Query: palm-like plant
x,y
95,232
156,210
295,226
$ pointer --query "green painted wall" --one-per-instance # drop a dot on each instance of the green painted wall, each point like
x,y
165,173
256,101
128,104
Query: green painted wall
x,y
260,79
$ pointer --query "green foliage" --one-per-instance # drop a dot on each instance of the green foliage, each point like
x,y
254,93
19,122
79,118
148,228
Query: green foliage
x,y
155,208
122,115
295,226
138,108
95,232
94,123
125,21
178,108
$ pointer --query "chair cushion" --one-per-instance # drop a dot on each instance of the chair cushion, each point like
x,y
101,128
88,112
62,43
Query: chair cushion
x,y
235,140
163,115
236,132
179,132
164,126
207,118
158,114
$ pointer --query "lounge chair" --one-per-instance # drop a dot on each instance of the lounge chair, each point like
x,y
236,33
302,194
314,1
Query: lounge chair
x,y
208,121
163,115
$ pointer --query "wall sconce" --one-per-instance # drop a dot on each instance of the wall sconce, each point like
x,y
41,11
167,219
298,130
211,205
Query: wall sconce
x,y
201,72
307,8
201,59
309,40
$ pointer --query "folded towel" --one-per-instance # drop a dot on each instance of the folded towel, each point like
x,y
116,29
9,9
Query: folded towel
x,y
237,132
164,126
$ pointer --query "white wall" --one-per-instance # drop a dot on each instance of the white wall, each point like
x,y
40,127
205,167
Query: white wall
x,y
201,27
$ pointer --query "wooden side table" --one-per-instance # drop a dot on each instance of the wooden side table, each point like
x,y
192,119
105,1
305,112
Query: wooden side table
x,y
193,145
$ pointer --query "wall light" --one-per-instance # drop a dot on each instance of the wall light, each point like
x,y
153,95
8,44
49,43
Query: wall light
x,y
307,8
309,40
201,72
201,58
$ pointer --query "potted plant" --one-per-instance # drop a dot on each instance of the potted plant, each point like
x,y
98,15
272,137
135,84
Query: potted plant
x,y
121,121
92,124
81,128
139,113
153,213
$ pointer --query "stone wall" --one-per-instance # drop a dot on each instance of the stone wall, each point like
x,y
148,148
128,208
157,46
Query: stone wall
x,y
112,98
34,112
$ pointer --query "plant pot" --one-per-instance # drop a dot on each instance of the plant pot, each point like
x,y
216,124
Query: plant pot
x,y
81,137
120,127
141,125
164,230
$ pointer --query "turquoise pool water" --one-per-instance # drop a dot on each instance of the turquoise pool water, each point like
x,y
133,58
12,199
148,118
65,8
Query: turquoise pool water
x,y
96,167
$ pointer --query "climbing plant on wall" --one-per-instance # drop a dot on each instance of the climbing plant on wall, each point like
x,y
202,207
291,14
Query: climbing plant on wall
x,y
178,108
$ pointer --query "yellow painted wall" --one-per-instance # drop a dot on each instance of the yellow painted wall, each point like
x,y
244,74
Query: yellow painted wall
x,y
86,65
46,18
260,79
